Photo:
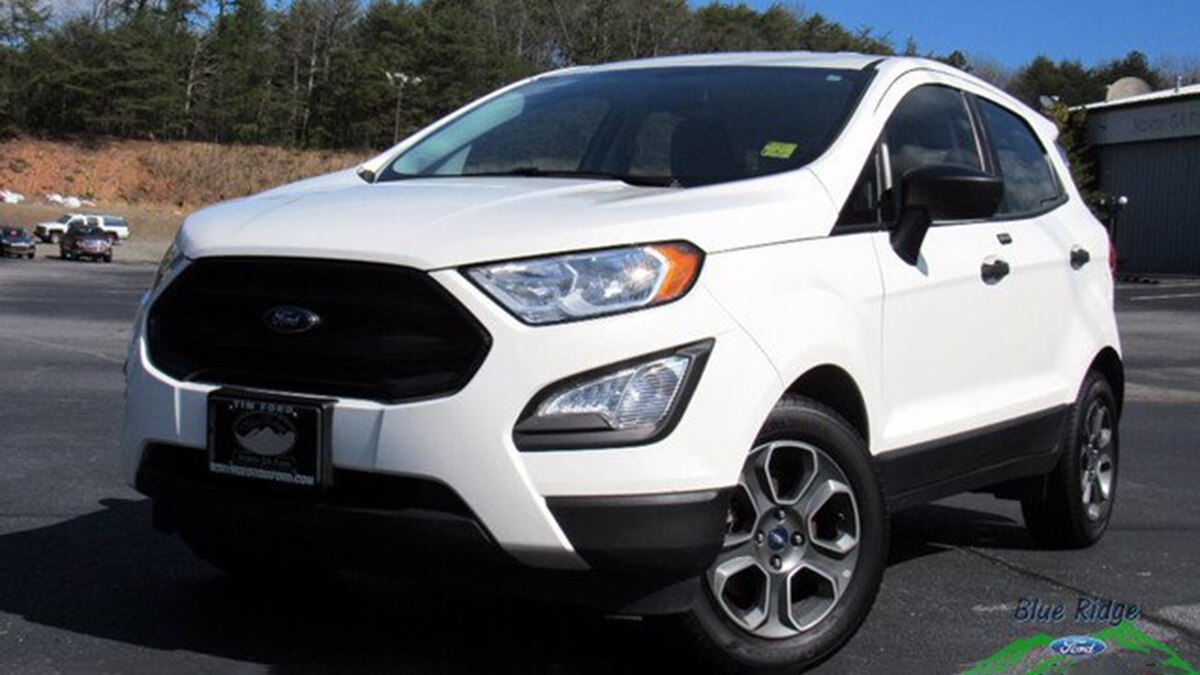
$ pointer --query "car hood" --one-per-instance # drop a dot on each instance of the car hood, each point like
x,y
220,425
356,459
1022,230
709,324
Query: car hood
x,y
443,222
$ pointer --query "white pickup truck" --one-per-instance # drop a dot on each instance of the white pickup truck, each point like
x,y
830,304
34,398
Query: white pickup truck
x,y
51,231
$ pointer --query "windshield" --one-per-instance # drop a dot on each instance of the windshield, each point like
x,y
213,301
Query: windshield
x,y
667,126
65,219
13,232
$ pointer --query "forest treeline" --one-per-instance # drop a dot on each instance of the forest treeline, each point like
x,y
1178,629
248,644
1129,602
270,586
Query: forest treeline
x,y
348,74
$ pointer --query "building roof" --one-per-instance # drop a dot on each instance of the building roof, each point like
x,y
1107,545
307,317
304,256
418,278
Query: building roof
x,y
1181,92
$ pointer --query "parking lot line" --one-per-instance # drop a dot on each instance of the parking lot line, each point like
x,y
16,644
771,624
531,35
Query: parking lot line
x,y
1169,296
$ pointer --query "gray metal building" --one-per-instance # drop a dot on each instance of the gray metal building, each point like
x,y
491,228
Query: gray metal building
x,y
1148,149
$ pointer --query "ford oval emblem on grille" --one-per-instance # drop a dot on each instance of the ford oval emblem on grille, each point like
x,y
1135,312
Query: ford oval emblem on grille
x,y
290,319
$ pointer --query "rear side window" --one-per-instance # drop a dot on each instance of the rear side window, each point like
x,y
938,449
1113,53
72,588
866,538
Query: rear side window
x,y
931,126
1029,183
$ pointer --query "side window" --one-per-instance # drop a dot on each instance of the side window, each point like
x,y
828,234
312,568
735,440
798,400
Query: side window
x,y
931,126
1028,179
93,221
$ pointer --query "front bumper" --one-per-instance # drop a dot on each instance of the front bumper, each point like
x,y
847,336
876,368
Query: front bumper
x,y
643,549
529,503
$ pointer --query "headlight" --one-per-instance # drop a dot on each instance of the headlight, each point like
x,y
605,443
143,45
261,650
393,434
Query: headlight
x,y
170,260
584,285
629,403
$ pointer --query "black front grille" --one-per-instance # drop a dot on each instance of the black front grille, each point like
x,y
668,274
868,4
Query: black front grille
x,y
385,333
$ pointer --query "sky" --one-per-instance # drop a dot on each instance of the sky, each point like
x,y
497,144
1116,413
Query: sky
x,y
1014,31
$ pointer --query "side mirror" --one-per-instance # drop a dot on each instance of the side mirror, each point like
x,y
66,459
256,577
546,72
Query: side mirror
x,y
366,174
941,192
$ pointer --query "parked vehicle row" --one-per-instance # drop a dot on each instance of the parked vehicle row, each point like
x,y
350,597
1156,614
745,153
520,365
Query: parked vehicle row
x,y
79,237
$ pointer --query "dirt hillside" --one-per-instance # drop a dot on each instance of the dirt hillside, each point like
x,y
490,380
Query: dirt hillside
x,y
147,173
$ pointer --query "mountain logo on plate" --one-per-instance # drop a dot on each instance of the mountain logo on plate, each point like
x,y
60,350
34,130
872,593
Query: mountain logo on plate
x,y
266,434
290,319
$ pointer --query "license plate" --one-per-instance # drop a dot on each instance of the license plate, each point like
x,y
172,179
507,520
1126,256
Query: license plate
x,y
263,437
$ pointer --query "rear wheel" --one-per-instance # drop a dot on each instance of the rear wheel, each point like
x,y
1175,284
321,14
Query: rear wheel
x,y
804,551
1078,498
108,257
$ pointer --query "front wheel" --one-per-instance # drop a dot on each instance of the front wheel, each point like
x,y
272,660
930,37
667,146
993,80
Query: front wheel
x,y
805,546
55,237
1074,510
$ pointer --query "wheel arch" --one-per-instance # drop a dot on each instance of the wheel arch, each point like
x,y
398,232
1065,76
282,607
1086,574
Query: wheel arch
x,y
833,386
1108,363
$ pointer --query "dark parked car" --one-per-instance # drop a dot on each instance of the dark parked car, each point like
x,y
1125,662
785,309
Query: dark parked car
x,y
86,241
16,242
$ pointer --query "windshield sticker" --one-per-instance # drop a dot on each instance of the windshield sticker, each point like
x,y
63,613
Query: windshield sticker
x,y
779,150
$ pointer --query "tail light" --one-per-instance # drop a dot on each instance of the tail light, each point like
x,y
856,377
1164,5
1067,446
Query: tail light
x,y
1112,257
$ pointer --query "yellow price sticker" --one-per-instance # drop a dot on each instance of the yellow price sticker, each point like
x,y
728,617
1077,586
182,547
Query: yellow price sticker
x,y
779,150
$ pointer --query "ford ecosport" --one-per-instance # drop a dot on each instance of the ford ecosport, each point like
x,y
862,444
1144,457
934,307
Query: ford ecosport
x,y
671,336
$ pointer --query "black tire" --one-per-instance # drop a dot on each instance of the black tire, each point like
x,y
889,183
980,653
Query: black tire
x,y
722,643
1059,517
54,238
108,257
30,256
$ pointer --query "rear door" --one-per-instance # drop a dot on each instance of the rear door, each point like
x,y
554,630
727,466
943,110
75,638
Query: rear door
x,y
948,350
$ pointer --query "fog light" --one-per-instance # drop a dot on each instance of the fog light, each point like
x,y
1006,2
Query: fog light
x,y
634,402
633,397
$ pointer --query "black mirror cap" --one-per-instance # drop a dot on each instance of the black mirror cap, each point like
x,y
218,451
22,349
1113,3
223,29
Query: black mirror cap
x,y
909,233
951,192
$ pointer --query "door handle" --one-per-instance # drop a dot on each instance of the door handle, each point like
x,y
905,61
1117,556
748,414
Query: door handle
x,y
993,270
1079,257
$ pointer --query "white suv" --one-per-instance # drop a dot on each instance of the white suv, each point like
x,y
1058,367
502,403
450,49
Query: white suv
x,y
52,231
669,336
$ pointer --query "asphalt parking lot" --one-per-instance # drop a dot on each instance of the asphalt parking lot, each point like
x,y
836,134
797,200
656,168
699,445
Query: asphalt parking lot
x,y
87,586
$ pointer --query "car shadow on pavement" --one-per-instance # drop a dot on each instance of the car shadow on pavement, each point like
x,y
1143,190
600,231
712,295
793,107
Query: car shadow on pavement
x,y
937,527
109,575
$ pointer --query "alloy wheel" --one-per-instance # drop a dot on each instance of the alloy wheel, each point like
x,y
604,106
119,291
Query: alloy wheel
x,y
791,542
1096,459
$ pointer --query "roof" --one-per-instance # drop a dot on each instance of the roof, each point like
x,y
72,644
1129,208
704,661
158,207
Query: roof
x,y
1181,92
840,60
